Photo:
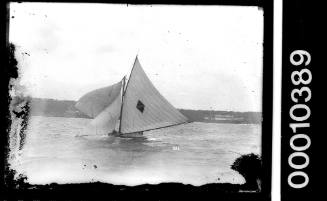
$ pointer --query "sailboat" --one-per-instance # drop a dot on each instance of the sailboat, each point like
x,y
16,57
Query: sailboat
x,y
132,109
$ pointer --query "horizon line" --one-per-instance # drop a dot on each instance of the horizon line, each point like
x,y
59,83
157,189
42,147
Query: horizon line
x,y
176,108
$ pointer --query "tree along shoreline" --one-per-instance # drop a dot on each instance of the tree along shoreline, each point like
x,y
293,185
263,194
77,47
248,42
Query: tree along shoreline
x,y
66,108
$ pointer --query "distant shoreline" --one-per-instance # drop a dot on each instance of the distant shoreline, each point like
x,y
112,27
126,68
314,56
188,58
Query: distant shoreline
x,y
66,108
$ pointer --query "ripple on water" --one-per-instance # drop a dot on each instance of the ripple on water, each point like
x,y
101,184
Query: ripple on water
x,y
64,150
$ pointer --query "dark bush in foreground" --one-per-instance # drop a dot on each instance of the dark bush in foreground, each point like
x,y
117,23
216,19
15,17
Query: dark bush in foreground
x,y
250,167
14,182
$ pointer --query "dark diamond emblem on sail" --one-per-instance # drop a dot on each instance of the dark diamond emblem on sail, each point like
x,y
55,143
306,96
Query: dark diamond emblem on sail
x,y
140,106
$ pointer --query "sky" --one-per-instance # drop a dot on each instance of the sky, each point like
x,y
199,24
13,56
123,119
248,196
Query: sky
x,y
198,57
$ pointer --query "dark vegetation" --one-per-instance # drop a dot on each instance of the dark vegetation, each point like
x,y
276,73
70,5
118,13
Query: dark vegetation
x,y
66,108
14,181
250,167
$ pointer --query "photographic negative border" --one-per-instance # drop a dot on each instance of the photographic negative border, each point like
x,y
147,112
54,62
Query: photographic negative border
x,y
299,142
164,191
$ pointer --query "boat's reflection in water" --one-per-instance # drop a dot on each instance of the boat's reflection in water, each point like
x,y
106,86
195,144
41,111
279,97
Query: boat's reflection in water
x,y
128,143
122,147
123,154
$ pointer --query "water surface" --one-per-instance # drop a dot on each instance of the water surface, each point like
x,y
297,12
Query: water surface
x,y
67,150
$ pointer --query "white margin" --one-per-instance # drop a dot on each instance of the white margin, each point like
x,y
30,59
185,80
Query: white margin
x,y
277,100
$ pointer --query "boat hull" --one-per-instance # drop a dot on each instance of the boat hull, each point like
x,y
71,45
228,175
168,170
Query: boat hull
x,y
127,135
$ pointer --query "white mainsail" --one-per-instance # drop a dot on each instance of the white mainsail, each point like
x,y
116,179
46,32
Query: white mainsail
x,y
144,108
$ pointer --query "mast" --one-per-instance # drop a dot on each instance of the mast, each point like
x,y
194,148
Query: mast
x,y
122,103
123,94
130,74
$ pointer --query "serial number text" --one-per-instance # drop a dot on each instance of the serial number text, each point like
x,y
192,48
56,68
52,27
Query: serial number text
x,y
299,113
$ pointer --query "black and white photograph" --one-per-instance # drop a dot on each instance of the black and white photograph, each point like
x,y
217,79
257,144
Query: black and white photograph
x,y
137,94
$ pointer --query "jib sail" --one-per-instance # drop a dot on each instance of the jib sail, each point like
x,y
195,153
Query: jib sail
x,y
103,105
